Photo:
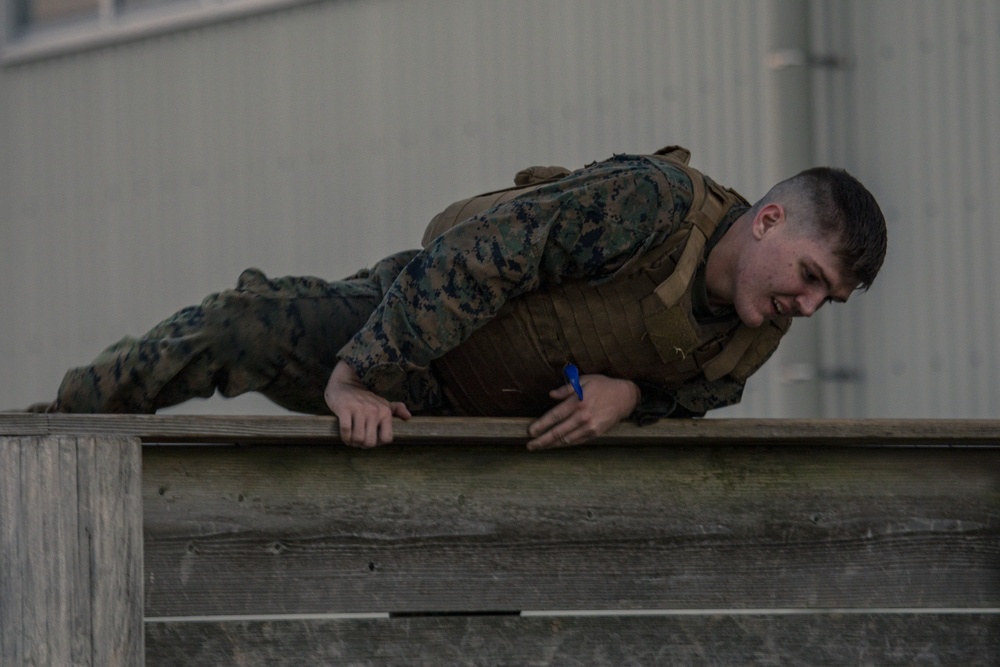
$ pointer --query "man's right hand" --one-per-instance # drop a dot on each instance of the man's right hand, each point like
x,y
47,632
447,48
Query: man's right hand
x,y
365,418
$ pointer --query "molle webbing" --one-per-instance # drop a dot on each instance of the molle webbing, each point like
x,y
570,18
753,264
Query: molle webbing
x,y
525,180
638,325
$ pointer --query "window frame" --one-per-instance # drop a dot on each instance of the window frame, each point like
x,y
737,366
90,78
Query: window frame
x,y
114,25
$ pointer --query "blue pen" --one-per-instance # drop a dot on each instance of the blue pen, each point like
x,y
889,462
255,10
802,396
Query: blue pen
x,y
572,374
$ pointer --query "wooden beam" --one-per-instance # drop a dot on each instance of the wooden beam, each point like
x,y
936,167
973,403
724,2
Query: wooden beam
x,y
70,551
306,429
282,530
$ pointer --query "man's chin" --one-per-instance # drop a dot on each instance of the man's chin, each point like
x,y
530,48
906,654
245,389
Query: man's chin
x,y
751,318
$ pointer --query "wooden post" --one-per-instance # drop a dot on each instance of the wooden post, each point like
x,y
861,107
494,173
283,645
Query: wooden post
x,y
71,551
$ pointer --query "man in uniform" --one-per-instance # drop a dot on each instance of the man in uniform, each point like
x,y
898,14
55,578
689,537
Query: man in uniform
x,y
666,291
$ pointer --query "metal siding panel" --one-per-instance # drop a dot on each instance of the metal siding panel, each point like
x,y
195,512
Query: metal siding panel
x,y
936,238
983,24
923,135
833,109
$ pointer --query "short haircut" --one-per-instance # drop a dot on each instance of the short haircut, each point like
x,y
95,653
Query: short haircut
x,y
833,204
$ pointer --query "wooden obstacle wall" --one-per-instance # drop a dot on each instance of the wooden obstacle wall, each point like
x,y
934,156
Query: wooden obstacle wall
x,y
263,541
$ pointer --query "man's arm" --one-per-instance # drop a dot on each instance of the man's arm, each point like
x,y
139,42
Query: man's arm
x,y
586,226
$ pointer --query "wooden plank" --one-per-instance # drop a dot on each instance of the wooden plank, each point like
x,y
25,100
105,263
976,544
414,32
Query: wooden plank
x,y
814,639
12,557
306,429
80,465
71,575
41,517
20,424
263,530
116,514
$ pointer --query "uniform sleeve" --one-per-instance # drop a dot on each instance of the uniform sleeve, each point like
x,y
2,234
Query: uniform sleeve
x,y
587,225
693,399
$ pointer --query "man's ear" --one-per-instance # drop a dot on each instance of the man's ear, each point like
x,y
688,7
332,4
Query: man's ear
x,y
768,217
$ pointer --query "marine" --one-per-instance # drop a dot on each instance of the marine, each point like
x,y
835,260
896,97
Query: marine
x,y
664,288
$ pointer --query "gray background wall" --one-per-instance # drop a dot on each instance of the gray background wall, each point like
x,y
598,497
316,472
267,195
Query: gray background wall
x,y
137,177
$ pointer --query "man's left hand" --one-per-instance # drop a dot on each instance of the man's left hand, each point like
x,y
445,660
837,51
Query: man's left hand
x,y
606,401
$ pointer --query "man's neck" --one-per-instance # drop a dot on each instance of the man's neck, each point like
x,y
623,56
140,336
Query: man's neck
x,y
721,263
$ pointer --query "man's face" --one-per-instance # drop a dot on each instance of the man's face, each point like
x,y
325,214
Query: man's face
x,y
786,272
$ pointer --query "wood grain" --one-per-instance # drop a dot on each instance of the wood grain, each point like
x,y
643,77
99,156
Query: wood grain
x,y
306,429
263,530
970,640
71,551
892,522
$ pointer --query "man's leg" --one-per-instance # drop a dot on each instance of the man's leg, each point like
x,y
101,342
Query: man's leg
x,y
279,337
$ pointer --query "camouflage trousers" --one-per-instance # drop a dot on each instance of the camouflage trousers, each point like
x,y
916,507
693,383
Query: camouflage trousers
x,y
279,337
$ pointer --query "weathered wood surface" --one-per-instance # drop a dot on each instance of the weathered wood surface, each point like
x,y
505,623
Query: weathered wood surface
x,y
746,542
272,530
70,551
966,640
304,429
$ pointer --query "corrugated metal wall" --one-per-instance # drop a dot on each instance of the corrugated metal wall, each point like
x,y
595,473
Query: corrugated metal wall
x,y
917,114
140,177
137,178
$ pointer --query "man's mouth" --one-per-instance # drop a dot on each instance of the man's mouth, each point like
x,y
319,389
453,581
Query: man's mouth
x,y
778,308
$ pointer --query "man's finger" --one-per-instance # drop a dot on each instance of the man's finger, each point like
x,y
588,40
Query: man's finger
x,y
345,429
372,425
544,423
400,410
560,434
562,392
556,415
384,431
552,439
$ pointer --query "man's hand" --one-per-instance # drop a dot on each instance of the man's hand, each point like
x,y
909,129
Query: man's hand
x,y
606,401
365,418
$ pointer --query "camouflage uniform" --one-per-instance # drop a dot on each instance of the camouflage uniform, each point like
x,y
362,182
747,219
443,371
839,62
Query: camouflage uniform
x,y
282,337
279,337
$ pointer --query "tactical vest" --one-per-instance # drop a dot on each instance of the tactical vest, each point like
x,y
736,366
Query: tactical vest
x,y
638,325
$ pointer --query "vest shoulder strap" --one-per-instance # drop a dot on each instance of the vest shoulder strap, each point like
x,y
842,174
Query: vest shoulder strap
x,y
709,202
675,153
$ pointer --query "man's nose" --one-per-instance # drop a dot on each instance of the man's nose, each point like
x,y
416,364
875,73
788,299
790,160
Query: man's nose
x,y
810,302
